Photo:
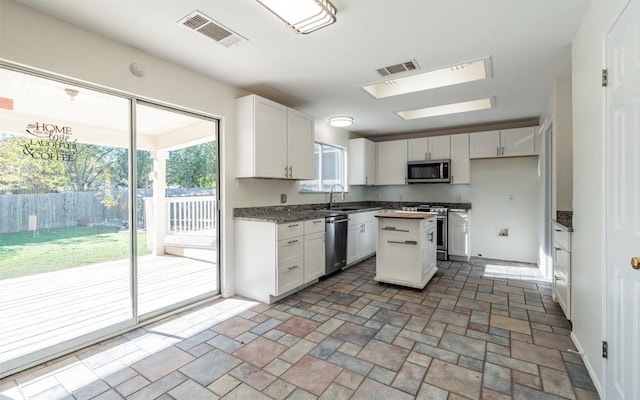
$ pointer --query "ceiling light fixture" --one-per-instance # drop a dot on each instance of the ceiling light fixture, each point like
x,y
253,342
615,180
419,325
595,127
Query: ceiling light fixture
x,y
303,16
72,93
446,76
446,109
340,121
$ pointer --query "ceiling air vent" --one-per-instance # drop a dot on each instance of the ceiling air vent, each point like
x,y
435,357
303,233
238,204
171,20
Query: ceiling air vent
x,y
211,29
395,69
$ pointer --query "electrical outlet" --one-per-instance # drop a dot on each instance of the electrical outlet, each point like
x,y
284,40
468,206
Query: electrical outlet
x,y
502,231
511,197
283,198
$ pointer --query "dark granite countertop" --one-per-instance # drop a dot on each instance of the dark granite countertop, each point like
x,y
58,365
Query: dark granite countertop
x,y
565,219
301,212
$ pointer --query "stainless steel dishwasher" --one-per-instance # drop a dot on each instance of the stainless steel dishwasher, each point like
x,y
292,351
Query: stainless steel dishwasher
x,y
336,242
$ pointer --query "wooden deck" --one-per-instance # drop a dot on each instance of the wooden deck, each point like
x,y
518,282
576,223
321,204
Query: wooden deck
x,y
42,310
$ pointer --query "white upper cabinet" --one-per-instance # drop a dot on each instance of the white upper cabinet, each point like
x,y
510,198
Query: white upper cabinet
x,y
518,142
429,148
392,162
460,163
299,145
504,143
362,162
273,140
484,144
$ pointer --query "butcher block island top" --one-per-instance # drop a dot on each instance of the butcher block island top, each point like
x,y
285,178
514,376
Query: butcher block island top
x,y
406,251
406,215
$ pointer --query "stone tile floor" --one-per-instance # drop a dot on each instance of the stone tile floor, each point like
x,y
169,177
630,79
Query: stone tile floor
x,y
480,330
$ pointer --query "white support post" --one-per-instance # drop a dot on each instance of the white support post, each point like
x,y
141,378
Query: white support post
x,y
160,215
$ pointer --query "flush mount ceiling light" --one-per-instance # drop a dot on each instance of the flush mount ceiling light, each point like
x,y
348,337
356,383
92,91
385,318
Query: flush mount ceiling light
x,y
303,16
340,121
72,93
454,108
446,76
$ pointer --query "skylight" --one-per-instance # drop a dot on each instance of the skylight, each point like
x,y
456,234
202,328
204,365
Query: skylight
x,y
454,108
447,76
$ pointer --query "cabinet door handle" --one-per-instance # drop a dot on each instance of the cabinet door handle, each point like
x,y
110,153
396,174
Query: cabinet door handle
x,y
294,267
498,151
286,171
409,242
431,237
393,228
502,151
291,172
426,156
366,180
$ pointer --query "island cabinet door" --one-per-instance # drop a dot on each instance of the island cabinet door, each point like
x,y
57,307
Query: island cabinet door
x,y
399,250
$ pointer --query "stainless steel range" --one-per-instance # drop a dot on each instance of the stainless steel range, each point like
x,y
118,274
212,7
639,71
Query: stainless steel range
x,y
441,229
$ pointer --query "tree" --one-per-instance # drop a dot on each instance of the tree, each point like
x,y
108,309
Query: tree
x,y
23,172
193,166
144,164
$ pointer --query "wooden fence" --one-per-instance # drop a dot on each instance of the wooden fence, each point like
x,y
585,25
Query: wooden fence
x,y
56,210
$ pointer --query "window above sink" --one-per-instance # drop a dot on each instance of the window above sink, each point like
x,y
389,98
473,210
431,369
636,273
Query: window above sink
x,y
329,169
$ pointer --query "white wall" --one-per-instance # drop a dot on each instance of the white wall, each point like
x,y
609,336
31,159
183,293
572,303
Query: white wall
x,y
587,261
492,181
505,194
558,112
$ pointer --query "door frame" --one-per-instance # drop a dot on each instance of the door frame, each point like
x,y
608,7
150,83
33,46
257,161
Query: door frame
x,y
606,184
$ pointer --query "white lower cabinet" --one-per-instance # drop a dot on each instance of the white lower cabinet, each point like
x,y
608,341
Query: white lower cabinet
x,y
562,268
361,236
274,260
314,250
458,244
406,251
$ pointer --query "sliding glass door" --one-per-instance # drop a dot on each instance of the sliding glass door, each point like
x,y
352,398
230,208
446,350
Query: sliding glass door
x,y
89,245
64,245
177,186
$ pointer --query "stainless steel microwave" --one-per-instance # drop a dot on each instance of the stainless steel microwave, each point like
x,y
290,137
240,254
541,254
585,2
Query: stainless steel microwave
x,y
431,171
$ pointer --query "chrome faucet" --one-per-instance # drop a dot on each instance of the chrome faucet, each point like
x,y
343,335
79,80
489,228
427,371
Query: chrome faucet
x,y
331,194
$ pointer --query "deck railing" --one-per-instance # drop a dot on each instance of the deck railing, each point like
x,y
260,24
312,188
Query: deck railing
x,y
188,214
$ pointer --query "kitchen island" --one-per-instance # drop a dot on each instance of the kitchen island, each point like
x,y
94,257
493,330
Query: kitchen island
x,y
406,250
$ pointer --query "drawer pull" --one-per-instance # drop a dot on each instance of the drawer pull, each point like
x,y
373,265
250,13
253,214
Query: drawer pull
x,y
294,267
292,241
393,228
557,248
293,226
318,221
410,242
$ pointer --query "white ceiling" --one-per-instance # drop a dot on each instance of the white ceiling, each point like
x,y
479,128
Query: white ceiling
x,y
321,73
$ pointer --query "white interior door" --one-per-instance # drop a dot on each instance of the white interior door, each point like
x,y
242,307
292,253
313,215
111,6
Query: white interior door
x,y
623,206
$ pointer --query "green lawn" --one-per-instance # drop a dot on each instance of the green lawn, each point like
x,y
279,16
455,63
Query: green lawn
x,y
24,253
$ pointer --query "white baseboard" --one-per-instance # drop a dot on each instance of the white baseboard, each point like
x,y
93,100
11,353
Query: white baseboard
x,y
587,364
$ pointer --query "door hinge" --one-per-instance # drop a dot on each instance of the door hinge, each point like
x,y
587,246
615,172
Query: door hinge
x,y
605,349
605,76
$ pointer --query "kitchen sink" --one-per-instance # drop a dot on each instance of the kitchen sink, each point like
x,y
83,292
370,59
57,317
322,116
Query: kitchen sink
x,y
345,209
